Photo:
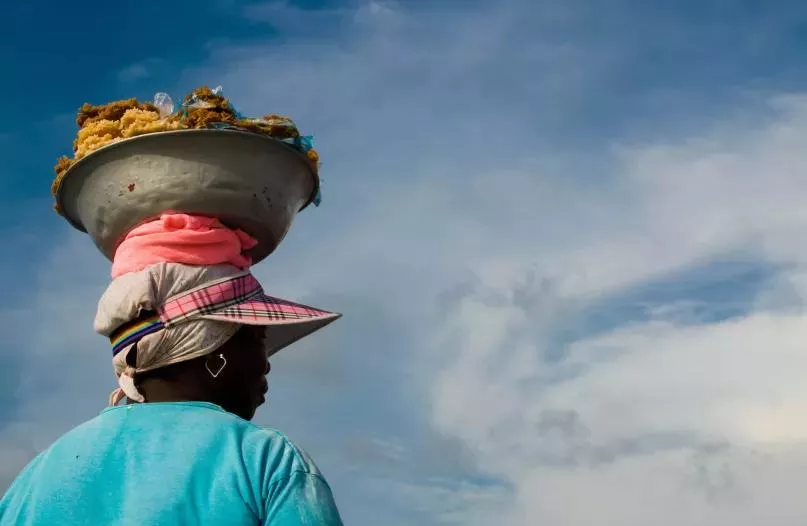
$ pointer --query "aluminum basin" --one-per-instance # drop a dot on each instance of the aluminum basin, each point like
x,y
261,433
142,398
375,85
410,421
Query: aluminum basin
x,y
246,180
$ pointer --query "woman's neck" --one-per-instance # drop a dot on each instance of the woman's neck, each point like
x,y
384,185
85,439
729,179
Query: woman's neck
x,y
160,390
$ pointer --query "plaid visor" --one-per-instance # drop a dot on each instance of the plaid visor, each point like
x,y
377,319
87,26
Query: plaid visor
x,y
237,299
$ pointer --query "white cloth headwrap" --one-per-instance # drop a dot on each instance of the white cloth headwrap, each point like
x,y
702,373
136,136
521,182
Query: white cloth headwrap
x,y
130,294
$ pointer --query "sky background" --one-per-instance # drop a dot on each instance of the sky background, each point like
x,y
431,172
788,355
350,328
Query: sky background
x,y
567,237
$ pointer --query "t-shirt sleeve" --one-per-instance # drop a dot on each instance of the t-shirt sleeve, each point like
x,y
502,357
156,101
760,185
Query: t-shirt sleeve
x,y
301,499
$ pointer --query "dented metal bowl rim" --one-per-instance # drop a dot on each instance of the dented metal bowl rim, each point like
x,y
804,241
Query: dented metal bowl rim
x,y
150,136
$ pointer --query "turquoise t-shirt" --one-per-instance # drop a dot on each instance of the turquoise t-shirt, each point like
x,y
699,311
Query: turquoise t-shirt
x,y
170,464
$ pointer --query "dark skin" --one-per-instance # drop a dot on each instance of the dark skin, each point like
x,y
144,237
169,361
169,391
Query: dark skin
x,y
239,388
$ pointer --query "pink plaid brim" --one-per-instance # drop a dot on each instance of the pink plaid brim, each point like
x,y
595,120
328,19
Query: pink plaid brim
x,y
236,299
285,322
266,310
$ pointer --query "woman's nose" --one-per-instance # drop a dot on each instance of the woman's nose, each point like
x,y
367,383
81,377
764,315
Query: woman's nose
x,y
268,368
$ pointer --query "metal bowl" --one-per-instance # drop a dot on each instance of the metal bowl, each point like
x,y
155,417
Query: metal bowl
x,y
246,180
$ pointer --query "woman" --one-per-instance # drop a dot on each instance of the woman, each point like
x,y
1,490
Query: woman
x,y
190,346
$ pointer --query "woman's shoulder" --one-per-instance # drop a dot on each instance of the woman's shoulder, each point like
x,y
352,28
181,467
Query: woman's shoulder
x,y
276,449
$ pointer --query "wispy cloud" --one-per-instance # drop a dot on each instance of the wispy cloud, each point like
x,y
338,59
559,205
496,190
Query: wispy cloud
x,y
660,401
139,71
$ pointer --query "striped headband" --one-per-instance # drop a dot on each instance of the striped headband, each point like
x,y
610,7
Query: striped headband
x,y
195,303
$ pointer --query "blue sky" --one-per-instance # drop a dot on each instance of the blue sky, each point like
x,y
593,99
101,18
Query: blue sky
x,y
567,238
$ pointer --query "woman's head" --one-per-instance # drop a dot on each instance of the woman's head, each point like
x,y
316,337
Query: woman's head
x,y
233,376
172,314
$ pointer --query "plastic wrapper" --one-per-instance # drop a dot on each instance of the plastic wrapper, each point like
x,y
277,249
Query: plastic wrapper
x,y
164,104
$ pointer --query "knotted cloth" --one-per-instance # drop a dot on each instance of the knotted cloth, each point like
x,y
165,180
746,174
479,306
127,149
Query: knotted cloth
x,y
131,294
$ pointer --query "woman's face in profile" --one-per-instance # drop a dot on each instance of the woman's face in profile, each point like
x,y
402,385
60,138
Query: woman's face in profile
x,y
242,383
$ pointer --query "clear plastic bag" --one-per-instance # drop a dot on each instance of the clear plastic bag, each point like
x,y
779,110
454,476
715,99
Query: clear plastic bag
x,y
164,104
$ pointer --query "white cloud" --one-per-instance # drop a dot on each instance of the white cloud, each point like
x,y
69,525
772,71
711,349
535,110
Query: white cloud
x,y
133,73
638,404
657,423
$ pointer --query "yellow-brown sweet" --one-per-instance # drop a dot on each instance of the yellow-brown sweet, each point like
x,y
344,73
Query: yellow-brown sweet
x,y
202,108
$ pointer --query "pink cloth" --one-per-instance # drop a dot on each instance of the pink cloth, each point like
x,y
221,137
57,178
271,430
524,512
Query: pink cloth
x,y
182,238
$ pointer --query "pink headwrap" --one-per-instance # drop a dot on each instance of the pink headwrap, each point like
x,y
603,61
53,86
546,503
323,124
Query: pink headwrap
x,y
182,238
